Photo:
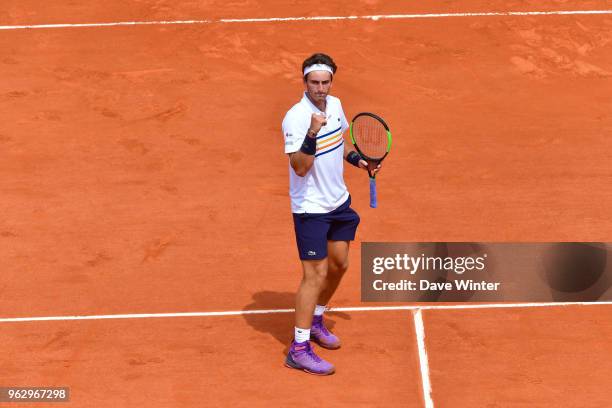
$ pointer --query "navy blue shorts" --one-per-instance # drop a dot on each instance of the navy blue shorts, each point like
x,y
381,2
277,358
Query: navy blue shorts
x,y
312,231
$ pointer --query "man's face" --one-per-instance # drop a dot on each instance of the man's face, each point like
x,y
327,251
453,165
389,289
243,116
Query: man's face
x,y
318,84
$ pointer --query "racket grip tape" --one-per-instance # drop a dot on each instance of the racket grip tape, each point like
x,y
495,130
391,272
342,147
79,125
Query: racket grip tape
x,y
373,198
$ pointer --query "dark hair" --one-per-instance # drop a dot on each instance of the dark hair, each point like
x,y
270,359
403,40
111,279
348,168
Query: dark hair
x,y
319,58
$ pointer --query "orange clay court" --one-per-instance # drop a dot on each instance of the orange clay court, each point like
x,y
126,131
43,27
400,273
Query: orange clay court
x,y
142,172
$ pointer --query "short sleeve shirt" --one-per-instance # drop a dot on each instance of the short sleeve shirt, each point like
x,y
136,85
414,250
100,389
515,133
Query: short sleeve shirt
x,y
322,189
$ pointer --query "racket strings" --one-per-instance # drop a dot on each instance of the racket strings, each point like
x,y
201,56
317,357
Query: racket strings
x,y
371,137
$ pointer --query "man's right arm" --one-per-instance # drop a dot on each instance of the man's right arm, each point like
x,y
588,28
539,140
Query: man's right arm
x,y
302,160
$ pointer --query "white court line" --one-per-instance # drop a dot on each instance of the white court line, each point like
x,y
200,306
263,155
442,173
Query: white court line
x,y
315,18
276,311
423,360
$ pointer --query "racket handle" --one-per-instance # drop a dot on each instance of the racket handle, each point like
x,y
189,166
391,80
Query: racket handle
x,y
373,198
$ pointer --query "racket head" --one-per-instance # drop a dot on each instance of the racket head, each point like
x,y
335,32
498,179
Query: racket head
x,y
371,137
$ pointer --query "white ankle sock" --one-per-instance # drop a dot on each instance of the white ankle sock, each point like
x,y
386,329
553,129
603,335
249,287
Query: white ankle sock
x,y
319,310
301,335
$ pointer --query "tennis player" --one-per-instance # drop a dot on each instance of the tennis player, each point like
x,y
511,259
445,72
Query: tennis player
x,y
320,202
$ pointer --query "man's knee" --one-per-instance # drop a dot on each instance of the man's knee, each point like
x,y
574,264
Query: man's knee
x,y
339,266
338,258
315,273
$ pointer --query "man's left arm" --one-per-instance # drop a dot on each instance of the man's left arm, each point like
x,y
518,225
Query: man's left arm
x,y
351,156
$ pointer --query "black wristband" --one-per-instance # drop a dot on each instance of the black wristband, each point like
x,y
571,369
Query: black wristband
x,y
309,146
353,157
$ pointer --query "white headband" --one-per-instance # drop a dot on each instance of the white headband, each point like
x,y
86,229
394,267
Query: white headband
x,y
318,67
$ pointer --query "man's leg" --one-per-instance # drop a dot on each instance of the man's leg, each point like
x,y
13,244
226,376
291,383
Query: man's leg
x,y
342,230
301,355
313,283
337,264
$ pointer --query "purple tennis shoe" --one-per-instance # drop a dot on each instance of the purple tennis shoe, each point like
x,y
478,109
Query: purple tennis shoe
x,y
322,336
301,356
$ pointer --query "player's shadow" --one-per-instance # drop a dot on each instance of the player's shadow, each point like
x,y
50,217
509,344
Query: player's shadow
x,y
279,324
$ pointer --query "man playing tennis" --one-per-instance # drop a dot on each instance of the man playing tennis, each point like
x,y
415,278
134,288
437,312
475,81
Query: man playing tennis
x,y
320,202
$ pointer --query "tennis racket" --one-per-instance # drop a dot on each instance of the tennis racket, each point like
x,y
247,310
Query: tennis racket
x,y
372,140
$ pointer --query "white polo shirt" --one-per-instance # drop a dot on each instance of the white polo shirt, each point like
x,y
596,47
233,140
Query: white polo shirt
x,y
322,189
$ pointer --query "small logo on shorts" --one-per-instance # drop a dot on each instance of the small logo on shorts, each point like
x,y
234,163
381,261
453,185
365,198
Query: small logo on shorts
x,y
311,253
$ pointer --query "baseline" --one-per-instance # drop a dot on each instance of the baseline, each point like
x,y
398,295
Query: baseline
x,y
275,311
315,18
